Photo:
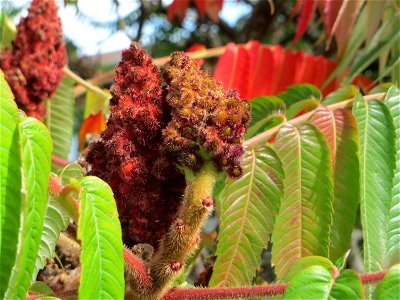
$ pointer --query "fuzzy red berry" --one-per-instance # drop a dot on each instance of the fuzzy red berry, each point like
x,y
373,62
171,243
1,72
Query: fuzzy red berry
x,y
33,68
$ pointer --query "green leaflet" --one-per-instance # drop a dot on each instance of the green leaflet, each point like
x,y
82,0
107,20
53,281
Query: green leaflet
x,y
60,118
389,287
316,282
10,188
377,153
299,92
265,112
36,147
306,262
393,246
102,275
302,227
7,31
341,94
247,217
340,131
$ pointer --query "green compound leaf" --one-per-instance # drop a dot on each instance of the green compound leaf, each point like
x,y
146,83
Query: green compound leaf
x,y
10,188
393,247
316,282
377,162
340,131
389,288
247,214
265,112
60,118
36,147
56,219
102,275
303,225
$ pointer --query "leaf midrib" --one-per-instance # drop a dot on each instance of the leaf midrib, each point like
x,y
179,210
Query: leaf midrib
x,y
253,164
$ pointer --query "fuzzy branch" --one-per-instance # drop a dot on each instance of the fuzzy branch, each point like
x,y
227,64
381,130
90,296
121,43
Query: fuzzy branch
x,y
182,237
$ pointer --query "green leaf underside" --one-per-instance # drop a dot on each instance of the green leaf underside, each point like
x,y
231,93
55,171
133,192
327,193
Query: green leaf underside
x,y
299,92
10,188
316,282
264,110
56,219
389,287
247,214
102,275
60,118
393,247
376,140
36,163
303,225
341,94
340,131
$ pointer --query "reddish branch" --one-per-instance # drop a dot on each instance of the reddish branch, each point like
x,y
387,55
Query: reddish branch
x,y
59,161
217,293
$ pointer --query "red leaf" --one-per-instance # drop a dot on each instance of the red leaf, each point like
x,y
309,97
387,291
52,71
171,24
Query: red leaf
x,y
344,23
177,9
195,48
331,12
233,69
209,7
201,7
94,124
307,13
259,70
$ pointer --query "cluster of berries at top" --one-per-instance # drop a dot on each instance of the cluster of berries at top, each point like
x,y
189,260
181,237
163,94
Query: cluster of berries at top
x,y
155,127
33,67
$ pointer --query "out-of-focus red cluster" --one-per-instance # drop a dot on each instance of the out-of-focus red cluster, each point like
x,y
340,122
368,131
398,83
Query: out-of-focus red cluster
x,y
33,67
154,127
207,122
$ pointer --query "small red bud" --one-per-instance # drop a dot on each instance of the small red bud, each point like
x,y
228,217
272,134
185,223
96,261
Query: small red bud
x,y
207,202
176,265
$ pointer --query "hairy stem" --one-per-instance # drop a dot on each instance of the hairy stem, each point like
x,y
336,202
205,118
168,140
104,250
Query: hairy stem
x,y
183,235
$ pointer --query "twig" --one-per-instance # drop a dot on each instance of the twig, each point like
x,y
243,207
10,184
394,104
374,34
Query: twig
x,y
271,132
85,83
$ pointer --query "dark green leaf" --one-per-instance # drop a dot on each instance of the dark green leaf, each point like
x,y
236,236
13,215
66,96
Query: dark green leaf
x,y
341,262
341,94
299,92
248,214
264,110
